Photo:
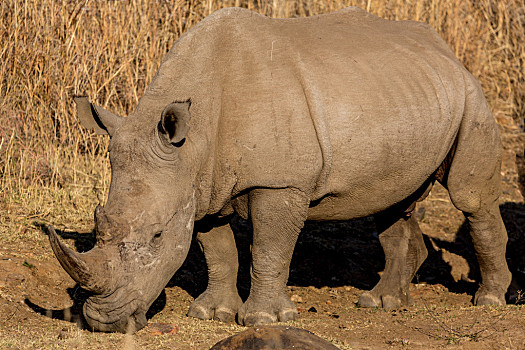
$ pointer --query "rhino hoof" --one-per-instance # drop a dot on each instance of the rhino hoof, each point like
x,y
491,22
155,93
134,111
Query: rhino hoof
x,y
368,300
288,315
224,314
390,302
199,312
489,299
219,314
258,318
220,307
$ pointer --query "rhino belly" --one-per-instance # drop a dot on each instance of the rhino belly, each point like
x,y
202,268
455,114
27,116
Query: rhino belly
x,y
382,161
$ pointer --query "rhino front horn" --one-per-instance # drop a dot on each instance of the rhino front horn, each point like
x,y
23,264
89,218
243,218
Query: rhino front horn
x,y
88,269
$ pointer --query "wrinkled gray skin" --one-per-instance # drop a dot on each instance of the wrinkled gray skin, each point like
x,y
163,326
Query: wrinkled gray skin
x,y
330,117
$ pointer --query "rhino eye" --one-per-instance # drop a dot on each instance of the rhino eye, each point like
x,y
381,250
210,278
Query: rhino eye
x,y
157,235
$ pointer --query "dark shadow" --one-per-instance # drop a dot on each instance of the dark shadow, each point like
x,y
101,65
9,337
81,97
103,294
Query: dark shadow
x,y
513,215
72,314
520,166
326,254
83,241
336,254
79,296
331,254
158,305
192,276
436,270
243,238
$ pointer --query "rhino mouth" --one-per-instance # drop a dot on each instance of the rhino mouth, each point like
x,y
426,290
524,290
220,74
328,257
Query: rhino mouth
x,y
110,308
121,311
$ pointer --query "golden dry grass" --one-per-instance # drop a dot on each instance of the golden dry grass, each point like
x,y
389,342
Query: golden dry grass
x,y
54,171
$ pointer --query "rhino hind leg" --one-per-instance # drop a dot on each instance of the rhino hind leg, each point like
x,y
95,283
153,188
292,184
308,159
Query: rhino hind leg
x,y
405,251
473,182
220,301
490,239
277,217
488,233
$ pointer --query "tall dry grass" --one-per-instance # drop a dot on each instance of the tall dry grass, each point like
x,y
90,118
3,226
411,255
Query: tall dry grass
x,y
53,170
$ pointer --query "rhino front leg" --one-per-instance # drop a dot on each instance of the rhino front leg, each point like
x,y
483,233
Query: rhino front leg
x,y
277,216
405,251
220,301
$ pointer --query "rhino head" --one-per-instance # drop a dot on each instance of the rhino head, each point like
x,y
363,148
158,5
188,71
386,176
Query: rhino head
x,y
144,231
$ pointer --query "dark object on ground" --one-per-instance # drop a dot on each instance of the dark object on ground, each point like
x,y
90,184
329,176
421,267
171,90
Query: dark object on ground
x,y
274,337
161,328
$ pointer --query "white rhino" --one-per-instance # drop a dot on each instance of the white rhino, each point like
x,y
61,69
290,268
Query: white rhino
x,y
330,117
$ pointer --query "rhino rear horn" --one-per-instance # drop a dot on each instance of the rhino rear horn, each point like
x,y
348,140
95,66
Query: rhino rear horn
x,y
175,121
97,118
88,269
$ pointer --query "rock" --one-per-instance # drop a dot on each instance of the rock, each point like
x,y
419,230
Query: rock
x,y
296,298
274,337
161,328
63,334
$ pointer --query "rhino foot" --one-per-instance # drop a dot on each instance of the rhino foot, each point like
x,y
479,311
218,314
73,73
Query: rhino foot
x,y
486,298
215,306
255,313
387,301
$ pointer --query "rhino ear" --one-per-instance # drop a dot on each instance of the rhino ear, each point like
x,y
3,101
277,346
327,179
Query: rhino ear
x,y
97,118
174,122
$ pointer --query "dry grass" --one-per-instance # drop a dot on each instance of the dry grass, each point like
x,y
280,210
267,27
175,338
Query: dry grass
x,y
54,171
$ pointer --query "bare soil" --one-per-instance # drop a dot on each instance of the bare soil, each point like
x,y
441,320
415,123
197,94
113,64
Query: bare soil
x,y
333,263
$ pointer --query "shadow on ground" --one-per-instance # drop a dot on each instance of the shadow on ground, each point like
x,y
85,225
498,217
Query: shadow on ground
x,y
337,254
329,254
72,314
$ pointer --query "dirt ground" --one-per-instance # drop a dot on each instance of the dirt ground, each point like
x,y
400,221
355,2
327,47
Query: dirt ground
x,y
332,264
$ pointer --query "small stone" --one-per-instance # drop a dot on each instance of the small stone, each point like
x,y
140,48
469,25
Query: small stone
x,y
63,334
296,298
162,328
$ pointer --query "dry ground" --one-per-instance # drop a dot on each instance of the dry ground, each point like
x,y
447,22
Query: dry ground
x,y
51,171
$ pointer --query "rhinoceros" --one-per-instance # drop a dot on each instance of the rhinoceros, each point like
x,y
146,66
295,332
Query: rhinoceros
x,y
331,117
